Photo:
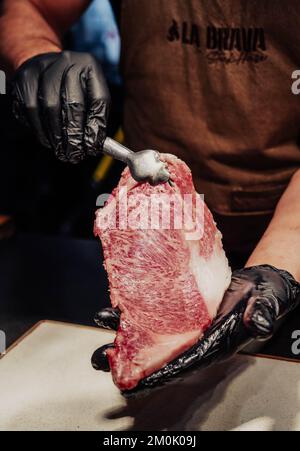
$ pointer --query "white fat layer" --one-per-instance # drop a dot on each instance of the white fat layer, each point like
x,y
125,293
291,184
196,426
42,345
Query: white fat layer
x,y
213,275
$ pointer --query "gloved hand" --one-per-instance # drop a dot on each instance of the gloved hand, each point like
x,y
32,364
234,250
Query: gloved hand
x,y
256,298
63,97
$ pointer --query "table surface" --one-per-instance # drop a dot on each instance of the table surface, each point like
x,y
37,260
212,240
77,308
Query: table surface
x,y
63,279
47,383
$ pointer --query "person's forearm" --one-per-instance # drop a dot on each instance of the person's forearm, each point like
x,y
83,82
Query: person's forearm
x,y
24,32
31,27
280,244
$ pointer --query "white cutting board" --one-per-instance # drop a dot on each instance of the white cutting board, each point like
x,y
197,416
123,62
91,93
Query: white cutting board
x,y
47,383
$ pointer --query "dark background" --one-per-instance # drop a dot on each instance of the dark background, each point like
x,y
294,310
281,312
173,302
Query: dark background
x,y
50,262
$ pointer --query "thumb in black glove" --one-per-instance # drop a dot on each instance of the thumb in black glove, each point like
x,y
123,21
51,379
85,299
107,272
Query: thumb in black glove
x,y
64,98
256,298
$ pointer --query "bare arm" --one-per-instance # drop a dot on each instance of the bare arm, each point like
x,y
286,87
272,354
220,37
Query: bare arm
x,y
31,27
280,244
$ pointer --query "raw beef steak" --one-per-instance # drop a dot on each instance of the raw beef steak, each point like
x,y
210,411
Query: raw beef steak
x,y
166,267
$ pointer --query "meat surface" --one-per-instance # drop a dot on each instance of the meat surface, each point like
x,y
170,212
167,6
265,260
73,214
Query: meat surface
x,y
166,267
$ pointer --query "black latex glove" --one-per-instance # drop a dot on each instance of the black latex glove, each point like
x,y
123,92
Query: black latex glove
x,y
256,298
63,97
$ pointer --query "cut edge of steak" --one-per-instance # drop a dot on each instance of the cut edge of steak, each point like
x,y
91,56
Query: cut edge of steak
x,y
168,288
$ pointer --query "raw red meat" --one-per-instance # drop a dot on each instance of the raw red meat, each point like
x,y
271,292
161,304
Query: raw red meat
x,y
167,281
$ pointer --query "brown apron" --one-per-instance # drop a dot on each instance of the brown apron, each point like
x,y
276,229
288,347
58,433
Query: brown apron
x,y
210,81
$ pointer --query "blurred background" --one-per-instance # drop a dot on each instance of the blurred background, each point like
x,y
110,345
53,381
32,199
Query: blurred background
x,y
50,262
38,193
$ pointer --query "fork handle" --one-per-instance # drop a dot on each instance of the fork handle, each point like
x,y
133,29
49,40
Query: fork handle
x,y
117,150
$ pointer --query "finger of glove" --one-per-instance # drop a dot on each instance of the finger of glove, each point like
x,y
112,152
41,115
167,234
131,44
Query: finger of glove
x,y
260,316
108,318
98,107
25,104
99,359
73,114
49,97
